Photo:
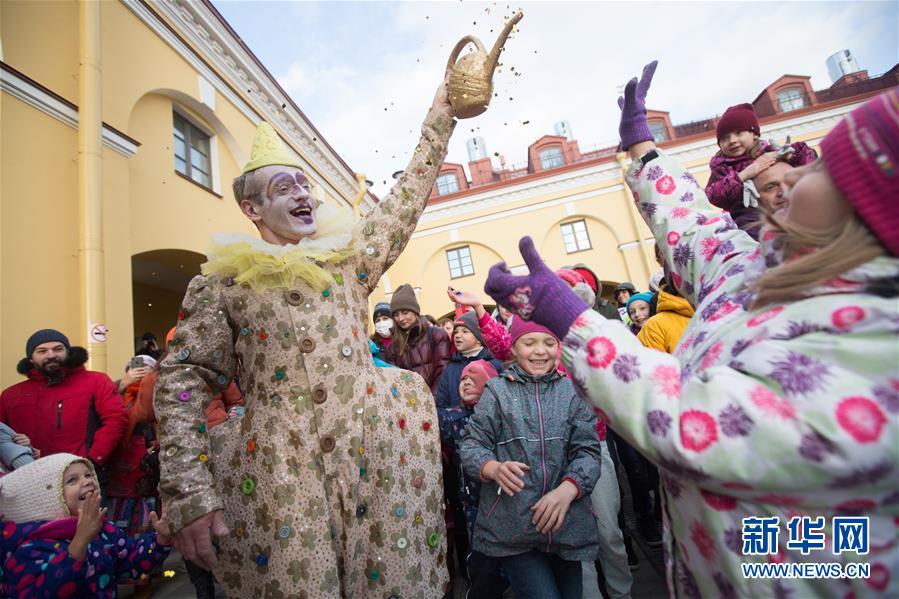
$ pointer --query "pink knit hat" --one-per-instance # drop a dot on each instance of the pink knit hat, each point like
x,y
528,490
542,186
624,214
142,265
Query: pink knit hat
x,y
480,371
523,327
862,156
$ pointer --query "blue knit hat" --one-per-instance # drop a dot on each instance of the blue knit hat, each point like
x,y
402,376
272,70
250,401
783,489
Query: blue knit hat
x,y
381,309
643,295
45,336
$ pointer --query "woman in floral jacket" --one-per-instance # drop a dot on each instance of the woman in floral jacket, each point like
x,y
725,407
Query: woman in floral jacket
x,y
781,401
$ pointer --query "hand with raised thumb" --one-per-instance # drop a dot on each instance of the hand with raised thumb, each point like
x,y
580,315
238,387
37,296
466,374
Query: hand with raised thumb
x,y
540,296
633,127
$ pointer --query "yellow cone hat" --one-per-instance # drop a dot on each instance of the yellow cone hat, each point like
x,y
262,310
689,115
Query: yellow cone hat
x,y
268,149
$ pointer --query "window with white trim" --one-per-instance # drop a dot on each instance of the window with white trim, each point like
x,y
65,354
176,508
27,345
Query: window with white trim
x,y
551,158
459,260
192,151
657,128
447,183
790,99
575,236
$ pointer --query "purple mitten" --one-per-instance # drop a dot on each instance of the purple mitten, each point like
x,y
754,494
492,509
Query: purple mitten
x,y
540,296
634,127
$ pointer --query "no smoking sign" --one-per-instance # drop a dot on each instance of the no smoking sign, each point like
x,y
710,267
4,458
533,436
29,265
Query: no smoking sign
x,y
98,333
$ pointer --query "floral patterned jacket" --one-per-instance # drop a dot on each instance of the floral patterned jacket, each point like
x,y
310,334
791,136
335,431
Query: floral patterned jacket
x,y
331,481
790,410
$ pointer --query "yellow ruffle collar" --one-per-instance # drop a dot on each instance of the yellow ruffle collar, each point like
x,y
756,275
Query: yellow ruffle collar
x,y
263,266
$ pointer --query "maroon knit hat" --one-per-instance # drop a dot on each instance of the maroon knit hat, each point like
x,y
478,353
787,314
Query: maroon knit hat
x,y
738,118
522,327
862,156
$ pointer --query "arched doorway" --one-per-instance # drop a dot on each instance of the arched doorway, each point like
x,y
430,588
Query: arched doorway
x,y
159,279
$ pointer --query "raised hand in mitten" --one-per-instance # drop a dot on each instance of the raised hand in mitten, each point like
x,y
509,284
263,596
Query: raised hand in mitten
x,y
633,127
540,296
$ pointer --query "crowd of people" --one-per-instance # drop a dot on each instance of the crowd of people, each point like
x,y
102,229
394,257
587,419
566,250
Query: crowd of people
x,y
755,376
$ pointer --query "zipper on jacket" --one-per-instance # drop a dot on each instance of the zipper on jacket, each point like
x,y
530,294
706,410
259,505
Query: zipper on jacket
x,y
59,415
542,452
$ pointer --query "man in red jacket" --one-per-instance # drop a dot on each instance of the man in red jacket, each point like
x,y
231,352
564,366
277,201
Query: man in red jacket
x,y
63,407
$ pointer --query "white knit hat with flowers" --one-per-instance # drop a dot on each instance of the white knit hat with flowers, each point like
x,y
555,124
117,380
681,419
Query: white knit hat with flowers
x,y
34,491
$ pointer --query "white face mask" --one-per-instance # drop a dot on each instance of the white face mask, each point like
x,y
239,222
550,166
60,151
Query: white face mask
x,y
384,327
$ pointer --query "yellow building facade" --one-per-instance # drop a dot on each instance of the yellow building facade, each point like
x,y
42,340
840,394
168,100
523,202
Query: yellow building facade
x,y
580,210
105,212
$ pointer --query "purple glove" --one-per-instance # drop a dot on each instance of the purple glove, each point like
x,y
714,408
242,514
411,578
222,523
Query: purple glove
x,y
540,296
634,127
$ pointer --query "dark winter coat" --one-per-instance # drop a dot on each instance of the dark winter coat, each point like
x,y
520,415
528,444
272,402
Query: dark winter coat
x,y
36,560
447,395
725,189
82,415
428,353
541,422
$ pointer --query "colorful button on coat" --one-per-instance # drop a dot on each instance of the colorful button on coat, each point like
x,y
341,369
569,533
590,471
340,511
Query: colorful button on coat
x,y
248,486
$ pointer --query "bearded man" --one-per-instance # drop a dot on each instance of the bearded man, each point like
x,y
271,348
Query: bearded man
x,y
63,407
330,484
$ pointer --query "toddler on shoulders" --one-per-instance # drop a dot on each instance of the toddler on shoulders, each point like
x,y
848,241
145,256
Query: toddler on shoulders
x,y
741,157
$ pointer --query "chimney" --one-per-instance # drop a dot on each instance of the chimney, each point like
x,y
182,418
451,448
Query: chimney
x,y
563,129
840,64
476,149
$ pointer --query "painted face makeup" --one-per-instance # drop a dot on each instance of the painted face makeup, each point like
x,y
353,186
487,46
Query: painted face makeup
x,y
287,212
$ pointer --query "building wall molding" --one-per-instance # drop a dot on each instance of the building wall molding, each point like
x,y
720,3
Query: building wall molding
x,y
44,100
599,174
201,39
499,214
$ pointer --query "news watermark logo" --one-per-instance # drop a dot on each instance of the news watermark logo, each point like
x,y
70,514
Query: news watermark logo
x,y
761,536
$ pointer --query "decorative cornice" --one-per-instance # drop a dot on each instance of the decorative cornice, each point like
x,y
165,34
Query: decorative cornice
x,y
39,97
597,174
210,48
593,194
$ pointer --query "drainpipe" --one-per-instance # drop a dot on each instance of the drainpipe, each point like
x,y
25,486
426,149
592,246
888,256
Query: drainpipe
x,y
90,180
635,217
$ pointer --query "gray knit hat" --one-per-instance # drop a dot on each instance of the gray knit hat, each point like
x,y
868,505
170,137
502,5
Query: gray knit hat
x,y
45,336
404,299
469,320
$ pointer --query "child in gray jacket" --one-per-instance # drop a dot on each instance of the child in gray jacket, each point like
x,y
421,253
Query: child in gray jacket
x,y
533,442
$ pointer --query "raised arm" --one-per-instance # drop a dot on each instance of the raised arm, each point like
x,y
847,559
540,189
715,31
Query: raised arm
x,y
496,337
695,238
692,419
380,237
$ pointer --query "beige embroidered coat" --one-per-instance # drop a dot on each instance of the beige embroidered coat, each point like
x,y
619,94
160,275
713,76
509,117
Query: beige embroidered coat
x,y
331,481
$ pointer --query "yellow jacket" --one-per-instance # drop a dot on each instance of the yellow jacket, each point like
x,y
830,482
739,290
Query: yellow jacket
x,y
663,331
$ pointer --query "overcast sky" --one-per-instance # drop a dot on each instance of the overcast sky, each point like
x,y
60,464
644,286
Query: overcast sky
x,y
365,72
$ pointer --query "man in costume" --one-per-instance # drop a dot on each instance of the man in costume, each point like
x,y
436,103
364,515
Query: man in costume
x,y
329,485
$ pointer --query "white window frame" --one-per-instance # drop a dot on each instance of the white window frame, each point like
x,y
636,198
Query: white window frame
x,y
461,257
551,157
448,176
214,179
787,99
658,130
576,237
